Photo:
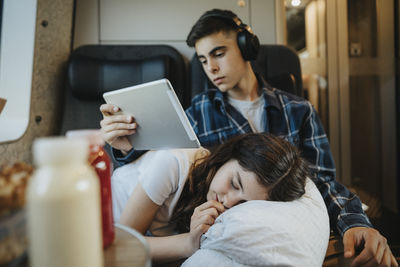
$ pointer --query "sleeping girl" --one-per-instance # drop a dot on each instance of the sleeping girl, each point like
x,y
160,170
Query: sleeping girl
x,y
186,197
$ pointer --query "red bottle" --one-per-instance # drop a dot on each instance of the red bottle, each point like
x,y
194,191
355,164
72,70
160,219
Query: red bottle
x,y
100,161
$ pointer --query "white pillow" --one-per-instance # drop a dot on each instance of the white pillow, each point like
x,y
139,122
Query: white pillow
x,y
268,233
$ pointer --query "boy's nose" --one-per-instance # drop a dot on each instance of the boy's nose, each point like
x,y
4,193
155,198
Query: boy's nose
x,y
212,67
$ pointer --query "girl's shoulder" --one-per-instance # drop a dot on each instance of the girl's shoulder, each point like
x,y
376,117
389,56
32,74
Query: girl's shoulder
x,y
178,156
189,154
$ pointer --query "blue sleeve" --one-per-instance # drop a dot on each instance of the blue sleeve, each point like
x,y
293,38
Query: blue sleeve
x,y
344,207
131,156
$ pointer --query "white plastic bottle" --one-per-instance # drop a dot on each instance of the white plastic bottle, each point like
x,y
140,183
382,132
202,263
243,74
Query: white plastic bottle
x,y
63,206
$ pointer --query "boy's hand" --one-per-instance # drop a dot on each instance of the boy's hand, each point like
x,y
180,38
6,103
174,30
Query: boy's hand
x,y
375,251
115,128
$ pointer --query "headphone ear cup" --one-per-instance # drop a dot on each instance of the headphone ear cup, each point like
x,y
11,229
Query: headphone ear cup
x,y
249,45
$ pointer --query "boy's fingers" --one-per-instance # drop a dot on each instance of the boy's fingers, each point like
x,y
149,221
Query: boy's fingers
x,y
108,109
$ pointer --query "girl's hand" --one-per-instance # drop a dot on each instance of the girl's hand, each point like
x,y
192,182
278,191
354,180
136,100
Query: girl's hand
x,y
203,217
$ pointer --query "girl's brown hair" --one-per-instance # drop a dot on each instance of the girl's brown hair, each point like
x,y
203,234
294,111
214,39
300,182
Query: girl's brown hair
x,y
277,164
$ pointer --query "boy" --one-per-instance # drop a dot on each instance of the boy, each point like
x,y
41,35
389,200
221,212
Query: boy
x,y
243,102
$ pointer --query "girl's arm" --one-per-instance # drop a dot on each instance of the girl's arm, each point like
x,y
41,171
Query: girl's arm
x,y
180,246
139,212
171,248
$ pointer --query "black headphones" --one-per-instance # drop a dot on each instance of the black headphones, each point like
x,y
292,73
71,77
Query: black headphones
x,y
247,41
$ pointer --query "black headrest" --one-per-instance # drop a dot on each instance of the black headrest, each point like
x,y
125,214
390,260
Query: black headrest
x,y
89,77
280,66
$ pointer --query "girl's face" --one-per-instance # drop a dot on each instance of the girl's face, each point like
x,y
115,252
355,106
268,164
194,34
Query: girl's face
x,y
233,185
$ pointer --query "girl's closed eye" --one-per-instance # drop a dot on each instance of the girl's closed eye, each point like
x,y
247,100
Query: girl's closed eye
x,y
234,186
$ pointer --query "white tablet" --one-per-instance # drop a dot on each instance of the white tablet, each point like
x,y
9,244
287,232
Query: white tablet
x,y
162,122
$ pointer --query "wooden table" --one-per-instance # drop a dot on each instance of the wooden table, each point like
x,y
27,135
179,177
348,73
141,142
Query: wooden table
x,y
129,249
334,254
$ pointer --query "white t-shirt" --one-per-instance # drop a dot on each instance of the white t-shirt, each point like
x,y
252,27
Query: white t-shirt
x,y
162,175
253,111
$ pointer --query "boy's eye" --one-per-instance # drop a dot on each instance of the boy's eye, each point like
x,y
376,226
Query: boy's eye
x,y
219,54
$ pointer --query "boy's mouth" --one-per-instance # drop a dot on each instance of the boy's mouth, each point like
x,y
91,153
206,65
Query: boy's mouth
x,y
218,80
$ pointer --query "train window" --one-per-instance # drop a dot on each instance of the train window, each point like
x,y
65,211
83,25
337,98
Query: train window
x,y
18,21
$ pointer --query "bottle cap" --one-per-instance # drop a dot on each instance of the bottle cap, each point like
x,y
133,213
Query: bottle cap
x,y
58,150
93,136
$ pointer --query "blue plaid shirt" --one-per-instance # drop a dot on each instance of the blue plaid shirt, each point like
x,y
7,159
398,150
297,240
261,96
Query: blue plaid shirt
x,y
214,121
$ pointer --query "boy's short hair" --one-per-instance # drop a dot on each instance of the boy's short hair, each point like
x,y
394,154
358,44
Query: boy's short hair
x,y
210,23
